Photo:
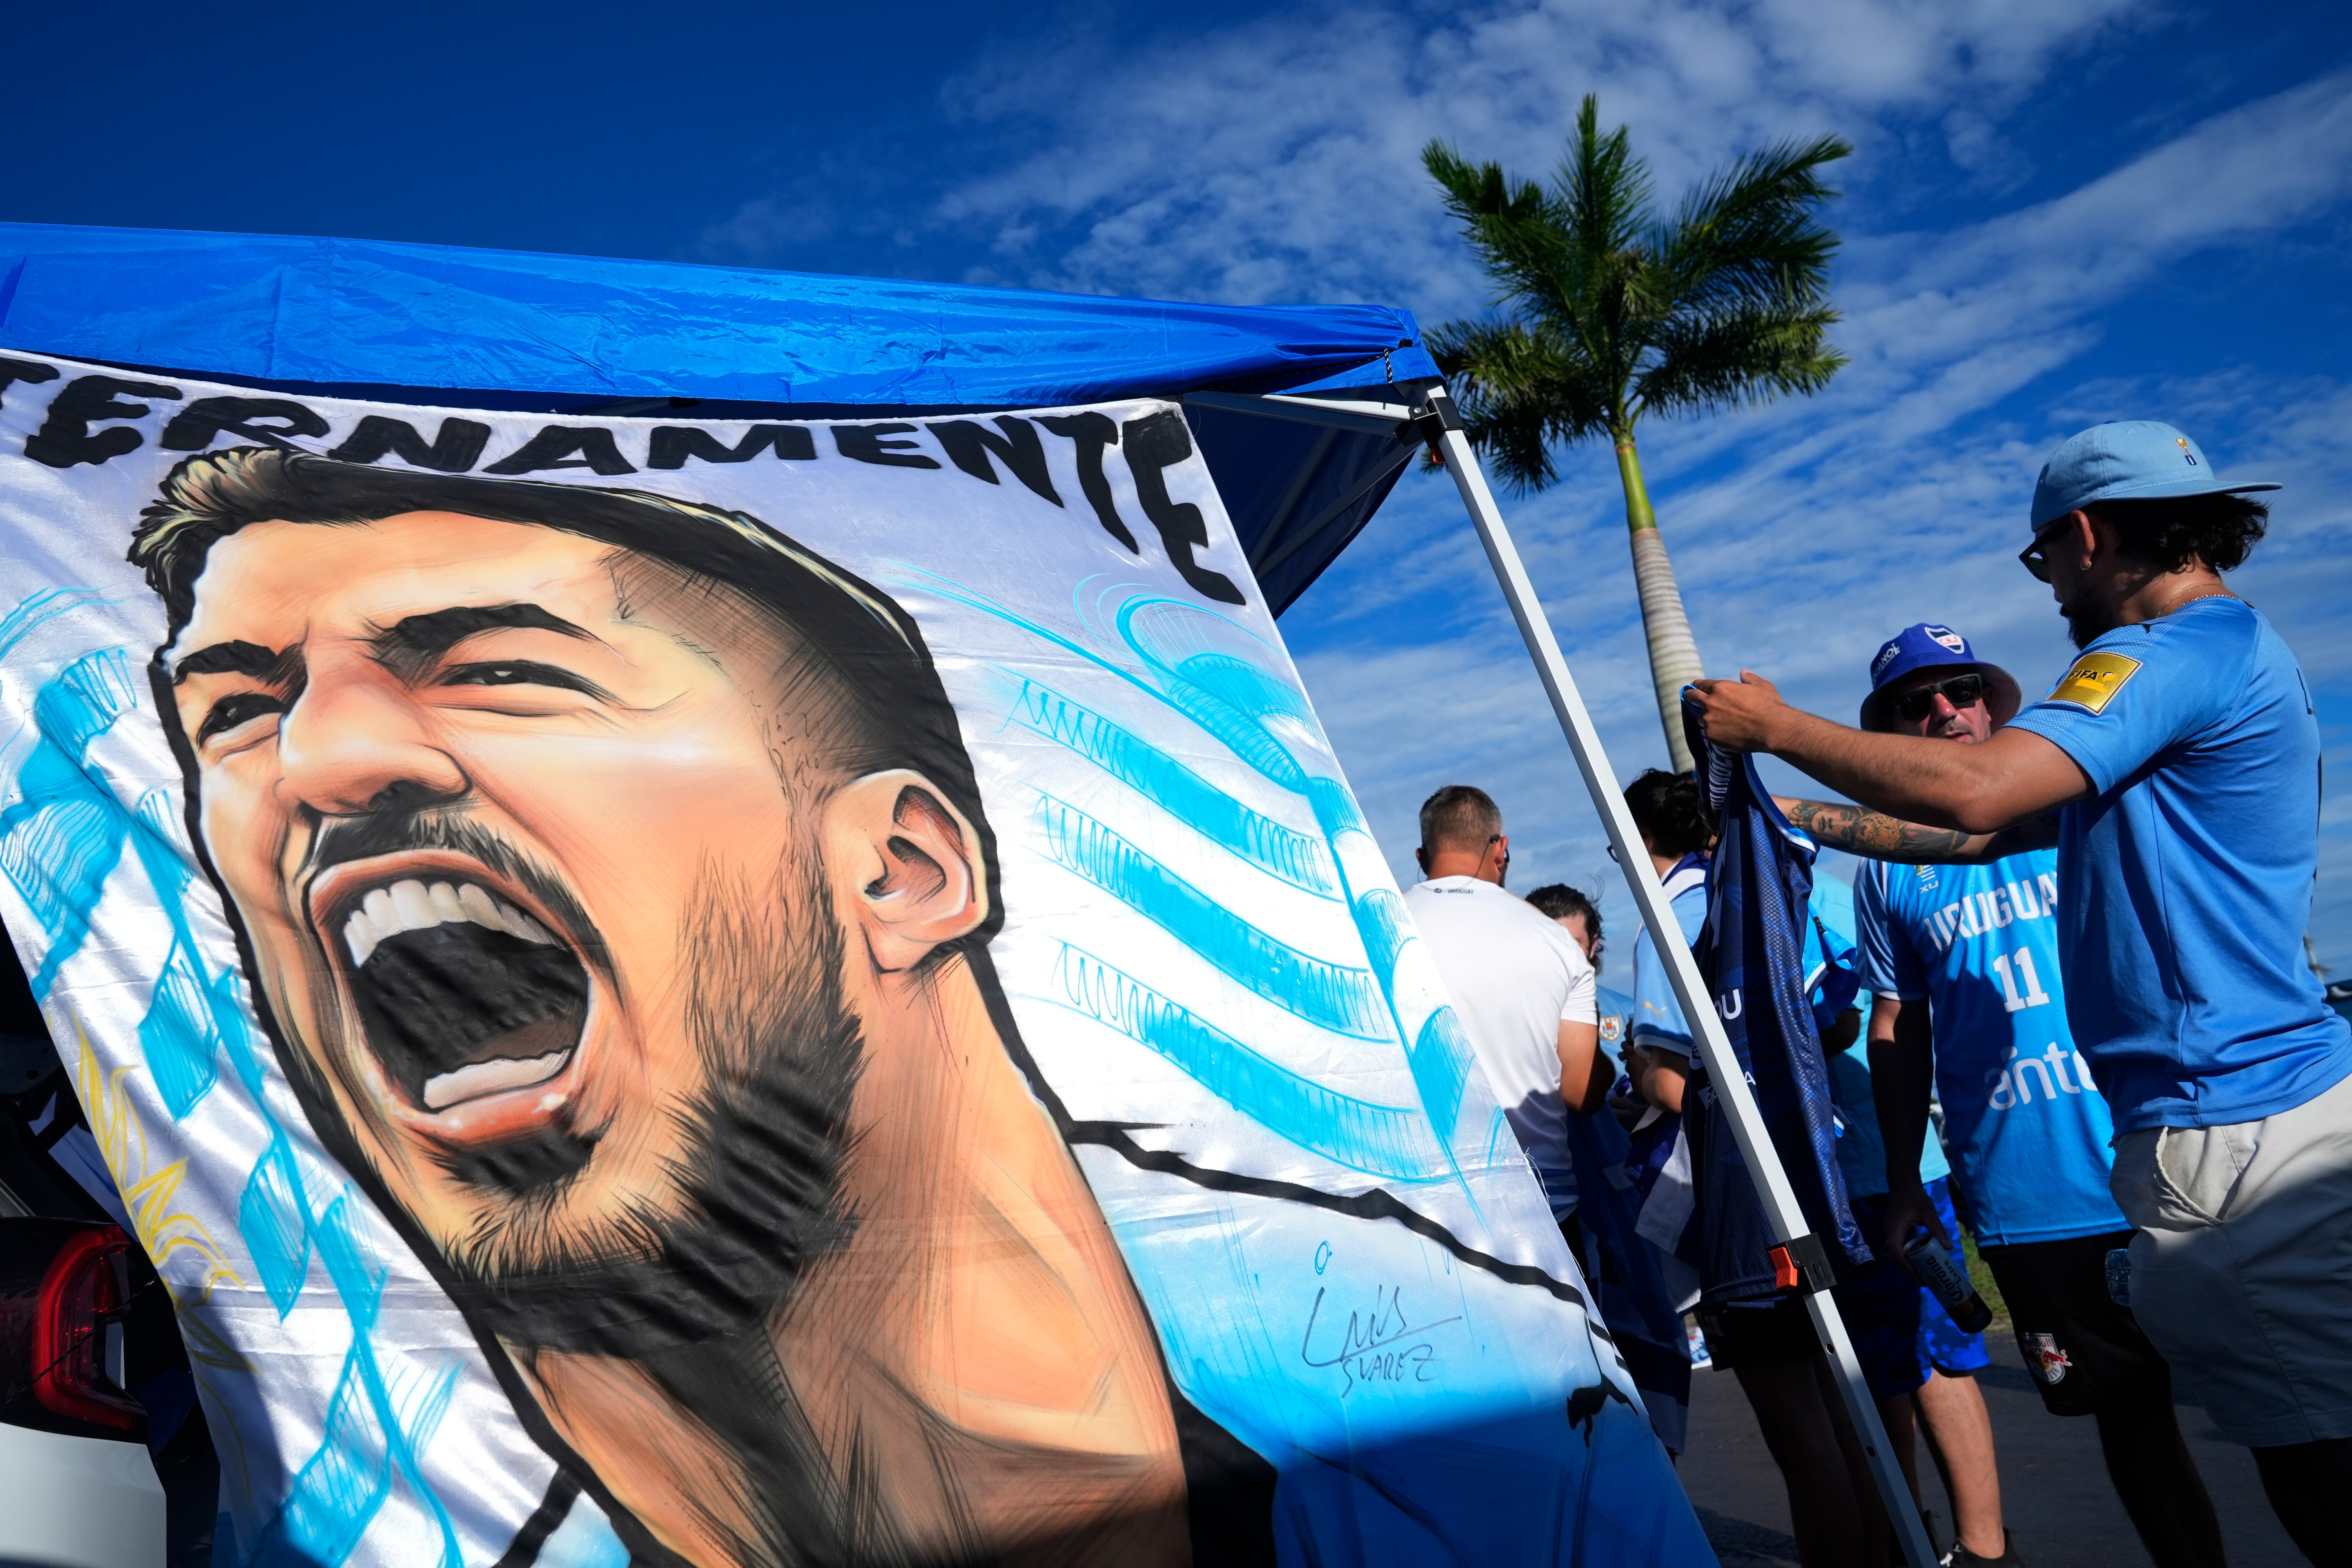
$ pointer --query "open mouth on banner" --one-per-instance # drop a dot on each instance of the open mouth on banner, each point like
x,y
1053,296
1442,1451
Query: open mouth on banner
x,y
472,999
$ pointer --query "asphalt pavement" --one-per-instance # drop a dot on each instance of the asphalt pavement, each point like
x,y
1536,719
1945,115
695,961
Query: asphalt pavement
x,y
2054,1493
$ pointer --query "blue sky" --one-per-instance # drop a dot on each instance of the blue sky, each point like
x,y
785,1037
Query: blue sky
x,y
2058,211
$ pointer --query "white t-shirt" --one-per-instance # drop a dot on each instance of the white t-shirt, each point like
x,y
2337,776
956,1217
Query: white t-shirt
x,y
1515,976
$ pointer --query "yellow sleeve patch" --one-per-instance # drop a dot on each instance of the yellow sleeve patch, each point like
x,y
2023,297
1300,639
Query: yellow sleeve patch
x,y
2093,681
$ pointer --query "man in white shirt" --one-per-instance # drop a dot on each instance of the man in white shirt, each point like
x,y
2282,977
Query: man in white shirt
x,y
1522,988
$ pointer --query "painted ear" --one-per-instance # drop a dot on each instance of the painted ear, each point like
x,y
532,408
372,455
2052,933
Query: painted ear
x,y
914,862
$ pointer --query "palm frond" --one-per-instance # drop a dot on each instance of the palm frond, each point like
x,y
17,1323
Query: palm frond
x,y
1521,393
1602,189
1746,354
1752,233
1507,223
1610,312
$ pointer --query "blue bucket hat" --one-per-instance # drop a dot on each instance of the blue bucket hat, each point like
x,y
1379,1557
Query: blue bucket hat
x,y
1930,647
2128,460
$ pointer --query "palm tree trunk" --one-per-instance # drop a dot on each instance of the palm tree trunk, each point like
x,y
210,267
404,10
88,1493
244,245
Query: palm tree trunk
x,y
1673,652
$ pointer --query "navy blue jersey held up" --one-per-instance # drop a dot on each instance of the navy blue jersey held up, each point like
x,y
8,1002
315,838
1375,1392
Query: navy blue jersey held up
x,y
1751,953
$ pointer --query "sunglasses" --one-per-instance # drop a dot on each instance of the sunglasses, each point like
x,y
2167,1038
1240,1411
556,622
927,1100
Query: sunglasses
x,y
1961,692
2033,559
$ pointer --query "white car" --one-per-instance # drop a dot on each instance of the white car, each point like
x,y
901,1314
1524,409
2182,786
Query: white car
x,y
79,1503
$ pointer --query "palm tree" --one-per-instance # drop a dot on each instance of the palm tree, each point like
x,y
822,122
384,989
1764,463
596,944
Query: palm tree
x,y
1616,314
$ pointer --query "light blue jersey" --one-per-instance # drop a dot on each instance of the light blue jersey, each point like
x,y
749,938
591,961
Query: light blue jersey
x,y
1658,1021
1862,1150
1978,944
2186,876
1616,1010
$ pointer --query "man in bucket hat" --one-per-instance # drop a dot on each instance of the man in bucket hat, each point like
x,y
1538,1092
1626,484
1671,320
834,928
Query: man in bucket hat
x,y
1978,944
2180,756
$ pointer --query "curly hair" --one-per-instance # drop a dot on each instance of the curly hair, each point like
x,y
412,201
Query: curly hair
x,y
1668,810
2170,534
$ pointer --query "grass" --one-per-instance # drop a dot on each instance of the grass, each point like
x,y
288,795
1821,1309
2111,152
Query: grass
x,y
1981,1278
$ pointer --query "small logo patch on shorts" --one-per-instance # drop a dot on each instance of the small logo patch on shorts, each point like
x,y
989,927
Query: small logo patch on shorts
x,y
2093,681
2049,1362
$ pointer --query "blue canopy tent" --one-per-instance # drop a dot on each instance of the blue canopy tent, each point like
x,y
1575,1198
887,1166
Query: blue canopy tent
x,y
428,323
1306,415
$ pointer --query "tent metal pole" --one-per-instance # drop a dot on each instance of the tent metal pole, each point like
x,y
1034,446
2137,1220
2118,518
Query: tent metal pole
x,y
1441,424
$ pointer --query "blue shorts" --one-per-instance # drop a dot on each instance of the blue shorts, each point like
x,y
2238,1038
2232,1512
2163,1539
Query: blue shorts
x,y
1900,1332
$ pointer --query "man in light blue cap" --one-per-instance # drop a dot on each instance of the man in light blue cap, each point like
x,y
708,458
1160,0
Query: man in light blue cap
x,y
2180,757
1969,1001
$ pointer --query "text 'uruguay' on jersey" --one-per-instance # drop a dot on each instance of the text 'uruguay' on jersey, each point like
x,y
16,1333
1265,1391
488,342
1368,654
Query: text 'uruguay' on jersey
x,y
1987,911
2032,898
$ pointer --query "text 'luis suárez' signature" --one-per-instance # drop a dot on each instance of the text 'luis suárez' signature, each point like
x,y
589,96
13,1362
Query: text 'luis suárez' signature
x,y
1381,1346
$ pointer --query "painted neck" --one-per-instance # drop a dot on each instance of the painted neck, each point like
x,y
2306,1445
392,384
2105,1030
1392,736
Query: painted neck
x,y
980,1328
977,1330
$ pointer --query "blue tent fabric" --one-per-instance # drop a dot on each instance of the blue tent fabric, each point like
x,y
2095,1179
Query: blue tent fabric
x,y
421,323
1752,952
1298,496
279,308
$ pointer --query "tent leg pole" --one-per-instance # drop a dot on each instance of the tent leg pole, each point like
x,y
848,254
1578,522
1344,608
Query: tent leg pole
x,y
1443,425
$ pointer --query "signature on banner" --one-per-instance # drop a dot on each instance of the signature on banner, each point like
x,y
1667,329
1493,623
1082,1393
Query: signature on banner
x,y
1382,1345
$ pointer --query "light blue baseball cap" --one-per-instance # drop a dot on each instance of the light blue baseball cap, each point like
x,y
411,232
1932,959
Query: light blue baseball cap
x,y
2127,459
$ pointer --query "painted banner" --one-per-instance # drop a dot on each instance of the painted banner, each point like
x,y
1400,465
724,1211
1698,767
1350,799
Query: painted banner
x,y
759,994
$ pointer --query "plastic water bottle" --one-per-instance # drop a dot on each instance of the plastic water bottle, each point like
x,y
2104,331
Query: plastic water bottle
x,y
1943,1274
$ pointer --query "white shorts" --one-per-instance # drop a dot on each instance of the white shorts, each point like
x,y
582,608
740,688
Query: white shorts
x,y
2241,1271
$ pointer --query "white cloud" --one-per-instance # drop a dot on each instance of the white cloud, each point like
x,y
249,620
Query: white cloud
x,y
1806,532
1280,160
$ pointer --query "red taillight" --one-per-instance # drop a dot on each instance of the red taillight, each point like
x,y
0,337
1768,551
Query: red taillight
x,y
79,1333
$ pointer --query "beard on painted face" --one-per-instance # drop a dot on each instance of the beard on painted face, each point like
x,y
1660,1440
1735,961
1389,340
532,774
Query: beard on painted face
x,y
453,1007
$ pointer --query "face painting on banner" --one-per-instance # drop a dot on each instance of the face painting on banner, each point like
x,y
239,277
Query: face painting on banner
x,y
759,994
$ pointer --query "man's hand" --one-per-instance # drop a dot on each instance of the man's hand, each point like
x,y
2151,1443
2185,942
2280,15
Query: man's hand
x,y
1742,715
1976,790
1905,1211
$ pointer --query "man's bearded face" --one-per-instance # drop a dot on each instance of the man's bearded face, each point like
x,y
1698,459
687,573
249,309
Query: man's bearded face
x,y
2087,617
533,891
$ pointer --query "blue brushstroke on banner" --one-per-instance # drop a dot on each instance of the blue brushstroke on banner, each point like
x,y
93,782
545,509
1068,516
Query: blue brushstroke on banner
x,y
59,841
1257,715
1167,783
1344,1000
1390,1141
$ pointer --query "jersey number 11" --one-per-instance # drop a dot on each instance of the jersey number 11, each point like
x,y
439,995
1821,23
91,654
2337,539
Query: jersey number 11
x,y
2034,996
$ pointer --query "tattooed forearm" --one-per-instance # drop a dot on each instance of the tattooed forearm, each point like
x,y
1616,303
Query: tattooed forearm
x,y
1876,835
